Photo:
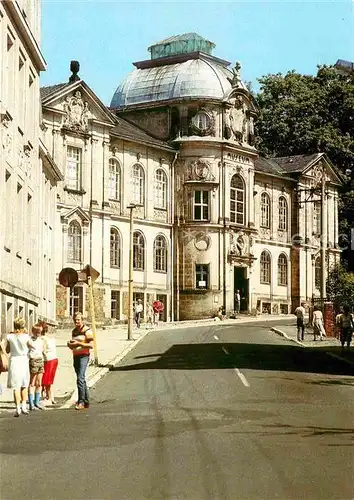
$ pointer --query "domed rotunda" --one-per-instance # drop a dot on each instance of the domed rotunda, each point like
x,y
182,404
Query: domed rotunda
x,y
181,67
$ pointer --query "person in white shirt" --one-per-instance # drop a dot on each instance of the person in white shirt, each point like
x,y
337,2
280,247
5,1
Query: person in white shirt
x,y
317,323
237,301
300,315
138,312
50,364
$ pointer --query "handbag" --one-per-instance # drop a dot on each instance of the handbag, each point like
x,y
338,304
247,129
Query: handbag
x,y
4,360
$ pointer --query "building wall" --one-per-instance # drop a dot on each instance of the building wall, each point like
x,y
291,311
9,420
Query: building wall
x,y
26,193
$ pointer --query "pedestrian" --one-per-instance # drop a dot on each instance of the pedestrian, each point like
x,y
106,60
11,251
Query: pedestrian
x,y
149,315
237,302
18,371
36,367
300,316
81,342
317,323
345,323
158,307
138,312
50,365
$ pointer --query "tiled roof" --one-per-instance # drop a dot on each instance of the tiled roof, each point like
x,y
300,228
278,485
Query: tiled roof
x,y
126,130
286,164
51,89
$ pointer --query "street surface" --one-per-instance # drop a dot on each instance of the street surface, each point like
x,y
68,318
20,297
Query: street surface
x,y
208,413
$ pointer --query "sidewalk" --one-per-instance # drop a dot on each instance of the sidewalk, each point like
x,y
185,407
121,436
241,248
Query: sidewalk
x,y
331,345
112,345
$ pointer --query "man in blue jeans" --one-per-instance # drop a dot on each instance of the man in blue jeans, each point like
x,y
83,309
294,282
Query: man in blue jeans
x,y
80,344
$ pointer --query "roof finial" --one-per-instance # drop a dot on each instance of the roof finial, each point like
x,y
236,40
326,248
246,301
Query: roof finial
x,y
74,68
235,79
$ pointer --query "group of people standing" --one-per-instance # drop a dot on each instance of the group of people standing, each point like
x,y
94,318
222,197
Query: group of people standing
x,y
153,311
344,323
31,367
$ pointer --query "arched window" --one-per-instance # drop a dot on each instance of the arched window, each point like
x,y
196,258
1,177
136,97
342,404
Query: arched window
x,y
318,273
282,269
265,210
283,214
114,180
114,248
160,186
160,254
237,200
138,184
138,251
265,270
74,242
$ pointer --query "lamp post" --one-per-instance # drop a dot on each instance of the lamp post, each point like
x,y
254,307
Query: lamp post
x,y
323,233
130,279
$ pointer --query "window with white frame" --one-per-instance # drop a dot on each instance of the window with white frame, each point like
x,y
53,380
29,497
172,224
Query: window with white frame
x,y
237,200
283,214
201,205
76,300
265,210
282,269
160,254
160,186
317,217
265,267
202,276
73,168
114,248
114,180
74,242
138,184
138,251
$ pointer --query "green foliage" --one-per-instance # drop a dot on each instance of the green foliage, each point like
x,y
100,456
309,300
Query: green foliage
x,y
340,287
302,114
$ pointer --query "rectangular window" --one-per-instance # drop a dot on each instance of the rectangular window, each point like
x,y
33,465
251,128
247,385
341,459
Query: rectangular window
x,y
9,210
115,313
202,276
73,168
76,300
317,218
201,205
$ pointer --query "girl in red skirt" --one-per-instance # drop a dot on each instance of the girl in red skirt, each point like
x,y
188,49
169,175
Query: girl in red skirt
x,y
50,365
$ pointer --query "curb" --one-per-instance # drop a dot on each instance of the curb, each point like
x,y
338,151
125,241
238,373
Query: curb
x,y
105,369
333,355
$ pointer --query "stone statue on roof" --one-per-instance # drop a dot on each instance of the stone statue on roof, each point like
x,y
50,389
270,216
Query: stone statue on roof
x,y
235,79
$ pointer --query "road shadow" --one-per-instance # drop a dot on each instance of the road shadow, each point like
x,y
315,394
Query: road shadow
x,y
241,355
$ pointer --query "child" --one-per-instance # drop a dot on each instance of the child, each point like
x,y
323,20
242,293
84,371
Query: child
x,y
50,364
36,366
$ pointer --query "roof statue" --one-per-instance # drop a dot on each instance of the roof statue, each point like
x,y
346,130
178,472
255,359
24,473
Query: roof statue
x,y
235,79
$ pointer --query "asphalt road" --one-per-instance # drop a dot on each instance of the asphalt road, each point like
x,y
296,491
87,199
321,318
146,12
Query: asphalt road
x,y
211,413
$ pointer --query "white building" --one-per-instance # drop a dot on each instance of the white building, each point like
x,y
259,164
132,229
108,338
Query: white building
x,y
28,174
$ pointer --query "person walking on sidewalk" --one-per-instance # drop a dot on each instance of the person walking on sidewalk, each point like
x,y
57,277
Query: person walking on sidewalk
x,y
138,310
18,374
317,323
80,344
300,316
345,322
36,367
237,302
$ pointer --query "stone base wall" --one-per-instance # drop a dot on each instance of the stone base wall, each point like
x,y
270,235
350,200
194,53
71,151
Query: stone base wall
x,y
194,305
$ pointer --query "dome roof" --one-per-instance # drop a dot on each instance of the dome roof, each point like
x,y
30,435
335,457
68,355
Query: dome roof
x,y
178,70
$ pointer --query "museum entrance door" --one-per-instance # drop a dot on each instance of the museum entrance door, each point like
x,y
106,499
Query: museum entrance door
x,y
241,283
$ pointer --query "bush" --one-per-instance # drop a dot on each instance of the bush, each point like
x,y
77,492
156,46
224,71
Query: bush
x,y
340,287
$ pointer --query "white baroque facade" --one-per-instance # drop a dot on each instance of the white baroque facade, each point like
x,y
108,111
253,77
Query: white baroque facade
x,y
107,164
28,175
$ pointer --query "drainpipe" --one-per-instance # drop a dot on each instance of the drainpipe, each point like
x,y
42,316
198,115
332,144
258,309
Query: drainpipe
x,y
174,244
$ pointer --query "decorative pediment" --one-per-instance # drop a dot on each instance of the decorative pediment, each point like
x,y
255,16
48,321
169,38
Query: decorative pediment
x,y
78,106
76,214
199,171
320,168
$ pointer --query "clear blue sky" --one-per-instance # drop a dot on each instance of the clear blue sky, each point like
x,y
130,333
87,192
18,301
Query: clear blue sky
x,y
266,37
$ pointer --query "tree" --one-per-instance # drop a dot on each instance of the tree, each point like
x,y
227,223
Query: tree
x,y
340,287
302,114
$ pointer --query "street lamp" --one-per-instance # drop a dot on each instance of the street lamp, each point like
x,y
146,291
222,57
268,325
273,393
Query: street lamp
x,y
131,207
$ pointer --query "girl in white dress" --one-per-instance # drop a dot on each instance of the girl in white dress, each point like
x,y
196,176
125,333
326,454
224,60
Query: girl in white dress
x,y
18,374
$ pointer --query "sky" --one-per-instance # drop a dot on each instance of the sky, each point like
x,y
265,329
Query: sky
x,y
106,37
